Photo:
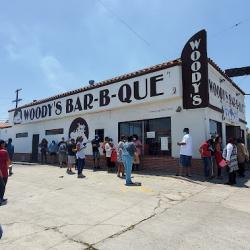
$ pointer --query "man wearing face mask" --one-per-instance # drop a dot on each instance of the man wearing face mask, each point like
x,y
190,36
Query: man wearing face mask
x,y
186,149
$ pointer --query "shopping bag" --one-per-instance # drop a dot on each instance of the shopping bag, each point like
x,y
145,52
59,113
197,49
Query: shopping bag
x,y
222,163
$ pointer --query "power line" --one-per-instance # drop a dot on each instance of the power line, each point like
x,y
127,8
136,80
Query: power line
x,y
125,23
236,25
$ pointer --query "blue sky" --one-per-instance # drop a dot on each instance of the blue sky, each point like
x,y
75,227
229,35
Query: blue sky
x,y
48,47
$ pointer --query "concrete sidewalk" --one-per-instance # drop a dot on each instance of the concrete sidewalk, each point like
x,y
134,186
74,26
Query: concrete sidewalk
x,y
48,209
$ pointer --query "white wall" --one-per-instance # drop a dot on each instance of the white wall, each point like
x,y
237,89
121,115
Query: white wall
x,y
108,120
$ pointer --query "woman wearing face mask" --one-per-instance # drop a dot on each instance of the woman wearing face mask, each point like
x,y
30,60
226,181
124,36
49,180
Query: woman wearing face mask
x,y
137,156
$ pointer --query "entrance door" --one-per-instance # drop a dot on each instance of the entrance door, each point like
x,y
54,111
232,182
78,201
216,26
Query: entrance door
x,y
233,131
35,144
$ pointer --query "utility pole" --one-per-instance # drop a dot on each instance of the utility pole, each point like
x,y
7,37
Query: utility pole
x,y
17,100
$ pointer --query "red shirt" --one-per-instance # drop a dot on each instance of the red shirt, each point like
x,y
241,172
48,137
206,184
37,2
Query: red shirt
x,y
4,158
205,152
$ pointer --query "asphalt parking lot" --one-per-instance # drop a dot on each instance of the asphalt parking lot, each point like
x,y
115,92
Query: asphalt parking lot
x,y
48,209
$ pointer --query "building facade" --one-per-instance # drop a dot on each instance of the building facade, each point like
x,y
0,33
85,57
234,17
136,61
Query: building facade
x,y
155,103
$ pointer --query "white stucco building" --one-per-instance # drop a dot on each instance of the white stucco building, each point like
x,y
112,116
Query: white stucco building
x,y
155,103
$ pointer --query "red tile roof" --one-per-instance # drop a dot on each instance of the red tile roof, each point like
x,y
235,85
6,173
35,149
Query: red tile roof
x,y
4,125
125,77
107,82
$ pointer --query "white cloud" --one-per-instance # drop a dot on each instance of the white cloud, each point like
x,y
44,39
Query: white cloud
x,y
23,46
57,77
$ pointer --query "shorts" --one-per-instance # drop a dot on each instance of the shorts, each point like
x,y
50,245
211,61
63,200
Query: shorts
x,y
71,159
185,161
62,157
96,155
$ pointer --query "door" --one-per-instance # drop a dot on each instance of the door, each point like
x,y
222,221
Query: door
x,y
35,145
233,132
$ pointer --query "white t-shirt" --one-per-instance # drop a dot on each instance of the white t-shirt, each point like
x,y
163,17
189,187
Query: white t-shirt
x,y
187,149
80,154
108,150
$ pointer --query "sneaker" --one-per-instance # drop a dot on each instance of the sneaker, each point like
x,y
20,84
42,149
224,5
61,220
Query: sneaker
x,y
133,184
81,176
3,202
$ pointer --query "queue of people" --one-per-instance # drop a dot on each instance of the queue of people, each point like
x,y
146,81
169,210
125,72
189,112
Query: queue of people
x,y
125,157
216,159
232,158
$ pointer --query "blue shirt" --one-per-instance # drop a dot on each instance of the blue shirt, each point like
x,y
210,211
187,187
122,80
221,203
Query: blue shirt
x,y
10,150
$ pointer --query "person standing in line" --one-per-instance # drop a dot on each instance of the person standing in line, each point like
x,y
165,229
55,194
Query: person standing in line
x,y
230,154
71,147
62,152
4,165
137,157
44,149
242,155
106,140
128,155
53,148
96,154
120,165
80,155
186,151
10,150
218,155
212,150
108,150
206,157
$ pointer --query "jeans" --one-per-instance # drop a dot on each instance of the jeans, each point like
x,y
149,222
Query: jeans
x,y
232,178
241,170
43,157
207,165
1,232
128,162
80,165
3,183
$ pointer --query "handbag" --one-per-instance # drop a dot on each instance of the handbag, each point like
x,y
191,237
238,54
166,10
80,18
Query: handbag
x,y
222,163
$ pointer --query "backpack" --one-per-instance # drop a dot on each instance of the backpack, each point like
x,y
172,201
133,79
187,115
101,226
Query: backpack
x,y
131,149
62,148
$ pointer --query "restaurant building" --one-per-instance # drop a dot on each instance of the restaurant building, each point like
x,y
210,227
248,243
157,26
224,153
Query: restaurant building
x,y
155,103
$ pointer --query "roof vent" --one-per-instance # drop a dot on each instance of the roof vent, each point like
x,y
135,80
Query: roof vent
x,y
91,82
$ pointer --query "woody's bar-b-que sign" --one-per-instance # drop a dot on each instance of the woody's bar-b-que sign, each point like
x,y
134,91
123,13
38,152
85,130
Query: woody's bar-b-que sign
x,y
195,72
153,86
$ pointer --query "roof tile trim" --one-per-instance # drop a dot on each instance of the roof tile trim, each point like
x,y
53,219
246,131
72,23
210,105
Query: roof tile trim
x,y
126,77
225,75
107,82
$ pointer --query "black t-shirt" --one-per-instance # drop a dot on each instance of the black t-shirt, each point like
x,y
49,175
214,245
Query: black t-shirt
x,y
95,145
70,148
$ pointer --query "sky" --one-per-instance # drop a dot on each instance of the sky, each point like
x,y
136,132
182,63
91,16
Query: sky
x,y
49,47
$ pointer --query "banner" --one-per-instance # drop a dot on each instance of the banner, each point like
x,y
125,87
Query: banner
x,y
195,72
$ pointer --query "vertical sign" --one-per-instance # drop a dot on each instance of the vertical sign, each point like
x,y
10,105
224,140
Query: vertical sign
x,y
195,72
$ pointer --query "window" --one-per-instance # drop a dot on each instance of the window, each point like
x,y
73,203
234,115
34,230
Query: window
x,y
56,131
100,133
215,128
20,135
155,134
